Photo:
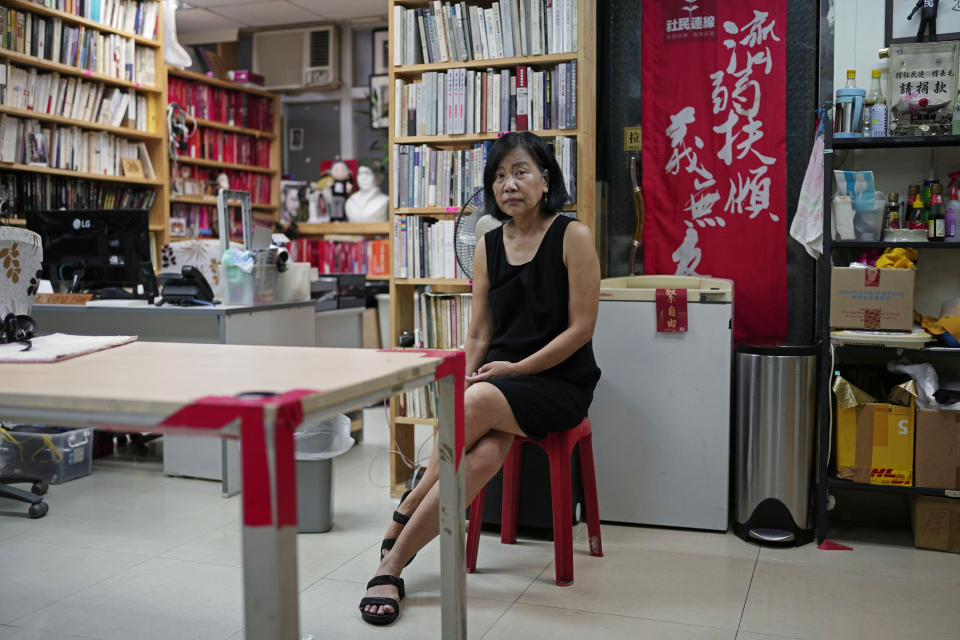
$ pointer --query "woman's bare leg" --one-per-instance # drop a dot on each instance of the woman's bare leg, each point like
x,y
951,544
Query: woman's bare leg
x,y
489,432
484,408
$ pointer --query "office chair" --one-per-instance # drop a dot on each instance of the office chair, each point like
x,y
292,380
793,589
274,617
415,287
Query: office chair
x,y
38,508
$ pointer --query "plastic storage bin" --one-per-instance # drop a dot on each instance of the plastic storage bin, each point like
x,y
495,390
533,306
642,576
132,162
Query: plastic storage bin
x,y
56,454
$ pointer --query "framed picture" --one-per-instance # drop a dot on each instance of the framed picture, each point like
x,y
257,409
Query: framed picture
x,y
296,139
899,29
381,51
379,102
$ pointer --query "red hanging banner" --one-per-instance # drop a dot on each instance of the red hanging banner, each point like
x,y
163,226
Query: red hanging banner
x,y
714,169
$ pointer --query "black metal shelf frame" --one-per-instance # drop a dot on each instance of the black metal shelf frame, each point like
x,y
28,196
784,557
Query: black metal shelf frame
x,y
824,479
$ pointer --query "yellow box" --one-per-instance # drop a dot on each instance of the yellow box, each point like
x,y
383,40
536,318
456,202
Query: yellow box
x,y
875,444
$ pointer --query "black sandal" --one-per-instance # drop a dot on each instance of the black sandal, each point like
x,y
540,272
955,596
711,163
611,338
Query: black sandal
x,y
379,601
402,520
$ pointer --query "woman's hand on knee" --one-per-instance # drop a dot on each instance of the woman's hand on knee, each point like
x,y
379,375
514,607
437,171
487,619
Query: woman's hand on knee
x,y
494,370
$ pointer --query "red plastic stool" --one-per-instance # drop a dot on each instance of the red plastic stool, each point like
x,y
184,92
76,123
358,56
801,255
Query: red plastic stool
x,y
559,447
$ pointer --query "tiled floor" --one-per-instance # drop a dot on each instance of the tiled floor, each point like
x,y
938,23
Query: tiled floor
x,y
128,553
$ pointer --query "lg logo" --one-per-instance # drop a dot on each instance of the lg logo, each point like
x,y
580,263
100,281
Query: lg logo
x,y
80,224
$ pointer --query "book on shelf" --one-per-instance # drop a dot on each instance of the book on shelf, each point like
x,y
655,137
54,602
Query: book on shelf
x,y
458,31
257,184
132,16
63,147
425,248
361,255
32,191
428,177
50,38
231,148
49,93
192,220
465,101
233,107
440,322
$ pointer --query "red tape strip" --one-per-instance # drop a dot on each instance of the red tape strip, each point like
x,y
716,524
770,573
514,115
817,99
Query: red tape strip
x,y
216,412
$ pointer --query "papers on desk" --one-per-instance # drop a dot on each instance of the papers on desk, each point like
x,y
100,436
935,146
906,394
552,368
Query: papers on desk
x,y
60,346
117,303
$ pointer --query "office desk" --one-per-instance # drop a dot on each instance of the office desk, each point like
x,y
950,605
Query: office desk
x,y
286,324
144,386
290,324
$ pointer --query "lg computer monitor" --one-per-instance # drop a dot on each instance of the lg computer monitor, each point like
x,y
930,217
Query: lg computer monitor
x,y
91,250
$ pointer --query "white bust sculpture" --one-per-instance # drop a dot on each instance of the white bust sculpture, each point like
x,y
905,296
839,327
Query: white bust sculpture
x,y
368,204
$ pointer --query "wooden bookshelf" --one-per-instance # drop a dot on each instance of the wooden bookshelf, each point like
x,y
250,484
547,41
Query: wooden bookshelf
x,y
216,164
29,168
125,132
402,289
47,65
268,212
154,137
22,5
344,228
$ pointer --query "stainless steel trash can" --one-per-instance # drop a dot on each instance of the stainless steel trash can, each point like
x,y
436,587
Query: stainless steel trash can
x,y
773,459
314,496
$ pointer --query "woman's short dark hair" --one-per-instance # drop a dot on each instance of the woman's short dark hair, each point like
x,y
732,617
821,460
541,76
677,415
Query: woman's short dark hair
x,y
556,194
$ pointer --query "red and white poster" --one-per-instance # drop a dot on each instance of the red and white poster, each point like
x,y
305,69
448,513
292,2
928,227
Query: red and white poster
x,y
714,168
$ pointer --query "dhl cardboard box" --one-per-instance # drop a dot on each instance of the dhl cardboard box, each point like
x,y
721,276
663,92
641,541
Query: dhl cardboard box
x,y
936,523
871,298
938,449
875,444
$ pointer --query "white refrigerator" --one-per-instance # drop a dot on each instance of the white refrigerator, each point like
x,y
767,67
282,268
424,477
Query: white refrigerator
x,y
661,411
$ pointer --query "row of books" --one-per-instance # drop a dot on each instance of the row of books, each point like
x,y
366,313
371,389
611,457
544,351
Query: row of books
x,y
236,148
440,322
107,54
428,177
34,191
191,220
71,97
368,255
132,16
236,108
424,248
204,180
67,148
456,31
491,100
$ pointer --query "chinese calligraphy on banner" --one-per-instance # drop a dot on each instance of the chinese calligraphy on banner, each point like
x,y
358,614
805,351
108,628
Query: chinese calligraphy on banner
x,y
714,173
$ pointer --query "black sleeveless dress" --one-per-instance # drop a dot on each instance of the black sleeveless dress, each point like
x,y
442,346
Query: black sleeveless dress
x,y
529,303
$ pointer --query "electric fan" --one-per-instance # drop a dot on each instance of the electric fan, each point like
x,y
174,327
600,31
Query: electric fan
x,y
472,222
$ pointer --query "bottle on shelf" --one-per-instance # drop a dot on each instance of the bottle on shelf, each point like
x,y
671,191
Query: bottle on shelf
x,y
917,219
951,210
893,210
937,225
875,105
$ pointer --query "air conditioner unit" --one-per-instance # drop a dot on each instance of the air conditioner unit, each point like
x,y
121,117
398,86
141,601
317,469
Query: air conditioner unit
x,y
298,59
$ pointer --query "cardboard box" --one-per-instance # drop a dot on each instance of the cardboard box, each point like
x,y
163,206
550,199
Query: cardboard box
x,y
875,444
936,523
938,449
871,298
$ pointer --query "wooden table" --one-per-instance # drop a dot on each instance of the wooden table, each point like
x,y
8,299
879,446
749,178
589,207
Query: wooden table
x,y
196,388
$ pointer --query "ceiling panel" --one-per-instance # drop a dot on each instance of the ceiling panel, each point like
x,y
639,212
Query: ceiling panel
x,y
344,10
221,14
202,20
265,14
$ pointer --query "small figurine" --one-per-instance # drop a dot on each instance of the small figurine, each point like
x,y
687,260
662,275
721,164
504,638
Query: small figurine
x,y
342,188
928,19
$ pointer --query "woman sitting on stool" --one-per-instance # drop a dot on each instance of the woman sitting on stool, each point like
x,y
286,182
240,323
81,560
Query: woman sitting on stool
x,y
529,355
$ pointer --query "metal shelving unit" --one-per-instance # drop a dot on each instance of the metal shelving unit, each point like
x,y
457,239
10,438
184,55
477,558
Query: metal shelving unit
x,y
825,477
